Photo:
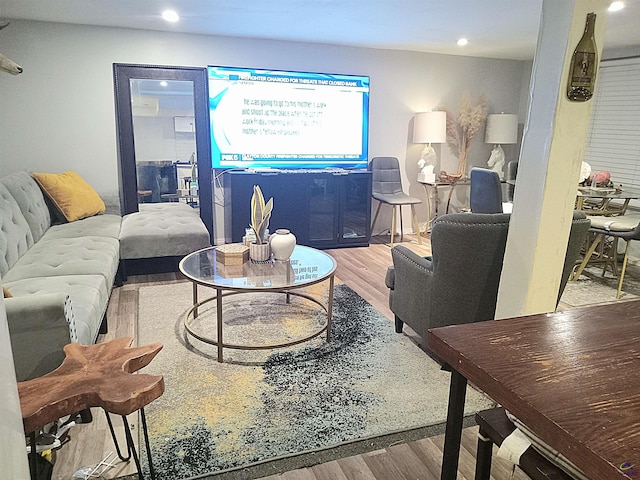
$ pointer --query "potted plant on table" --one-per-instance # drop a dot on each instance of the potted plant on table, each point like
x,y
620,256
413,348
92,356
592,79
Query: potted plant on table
x,y
259,250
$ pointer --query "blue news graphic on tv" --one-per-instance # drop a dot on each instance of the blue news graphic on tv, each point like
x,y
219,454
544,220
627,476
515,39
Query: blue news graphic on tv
x,y
287,119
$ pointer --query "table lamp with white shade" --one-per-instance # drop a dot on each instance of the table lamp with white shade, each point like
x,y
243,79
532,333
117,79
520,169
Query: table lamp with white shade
x,y
502,129
428,128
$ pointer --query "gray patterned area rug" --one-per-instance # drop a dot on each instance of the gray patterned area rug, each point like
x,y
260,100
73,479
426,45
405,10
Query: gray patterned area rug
x,y
261,405
594,288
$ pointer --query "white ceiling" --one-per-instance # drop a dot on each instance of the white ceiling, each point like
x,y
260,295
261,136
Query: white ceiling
x,y
495,28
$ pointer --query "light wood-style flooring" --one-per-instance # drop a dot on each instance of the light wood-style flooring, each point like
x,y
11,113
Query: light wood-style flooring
x,y
363,269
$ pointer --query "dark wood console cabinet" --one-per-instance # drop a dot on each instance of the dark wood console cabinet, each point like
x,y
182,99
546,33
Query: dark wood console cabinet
x,y
322,209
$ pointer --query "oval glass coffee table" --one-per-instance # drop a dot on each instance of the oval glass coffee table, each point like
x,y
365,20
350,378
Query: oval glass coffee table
x,y
307,266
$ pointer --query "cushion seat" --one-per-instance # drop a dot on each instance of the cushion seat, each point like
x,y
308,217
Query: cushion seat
x,y
614,224
397,198
162,230
68,256
98,226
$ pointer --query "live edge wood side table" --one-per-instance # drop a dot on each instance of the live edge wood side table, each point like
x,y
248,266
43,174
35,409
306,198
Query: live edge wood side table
x,y
97,375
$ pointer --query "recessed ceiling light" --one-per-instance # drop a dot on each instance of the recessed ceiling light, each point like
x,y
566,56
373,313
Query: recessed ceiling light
x,y
615,6
462,42
170,16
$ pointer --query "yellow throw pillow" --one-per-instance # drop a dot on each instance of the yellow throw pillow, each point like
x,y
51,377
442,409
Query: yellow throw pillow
x,y
6,293
74,197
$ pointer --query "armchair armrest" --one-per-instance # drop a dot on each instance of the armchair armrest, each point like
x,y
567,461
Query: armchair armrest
x,y
390,277
39,327
410,281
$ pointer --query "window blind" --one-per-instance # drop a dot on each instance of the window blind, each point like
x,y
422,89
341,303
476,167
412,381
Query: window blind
x,y
613,137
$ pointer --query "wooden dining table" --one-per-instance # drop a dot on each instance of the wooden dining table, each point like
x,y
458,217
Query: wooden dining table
x,y
572,377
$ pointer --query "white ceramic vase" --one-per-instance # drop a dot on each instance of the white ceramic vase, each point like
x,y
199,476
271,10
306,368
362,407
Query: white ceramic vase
x,y
282,244
259,252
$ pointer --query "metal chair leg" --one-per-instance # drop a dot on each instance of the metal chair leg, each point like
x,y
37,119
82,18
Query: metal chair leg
x,y
416,227
401,226
599,238
393,223
624,268
613,253
375,217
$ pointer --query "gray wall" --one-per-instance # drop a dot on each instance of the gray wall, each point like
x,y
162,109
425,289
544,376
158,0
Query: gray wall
x,y
59,114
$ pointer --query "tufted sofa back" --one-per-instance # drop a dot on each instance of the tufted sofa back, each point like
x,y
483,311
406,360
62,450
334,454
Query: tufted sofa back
x,y
27,193
24,217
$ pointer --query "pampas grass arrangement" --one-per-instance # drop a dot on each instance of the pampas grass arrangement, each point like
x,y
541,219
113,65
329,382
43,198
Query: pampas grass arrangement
x,y
461,130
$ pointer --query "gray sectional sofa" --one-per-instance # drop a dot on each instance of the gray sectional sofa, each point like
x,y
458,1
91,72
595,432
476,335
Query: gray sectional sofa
x,y
60,276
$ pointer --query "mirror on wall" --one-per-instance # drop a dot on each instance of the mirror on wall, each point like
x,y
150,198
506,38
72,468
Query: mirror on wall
x,y
164,153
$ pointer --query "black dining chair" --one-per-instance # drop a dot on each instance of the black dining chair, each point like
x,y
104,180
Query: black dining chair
x,y
627,228
510,178
387,189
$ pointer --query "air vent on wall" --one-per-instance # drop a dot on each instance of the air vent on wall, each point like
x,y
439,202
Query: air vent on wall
x,y
144,105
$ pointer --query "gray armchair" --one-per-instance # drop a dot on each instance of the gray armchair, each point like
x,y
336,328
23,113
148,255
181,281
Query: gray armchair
x,y
459,283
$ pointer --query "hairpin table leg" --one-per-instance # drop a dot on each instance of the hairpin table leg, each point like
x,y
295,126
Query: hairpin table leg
x,y
131,449
146,442
131,446
32,456
115,440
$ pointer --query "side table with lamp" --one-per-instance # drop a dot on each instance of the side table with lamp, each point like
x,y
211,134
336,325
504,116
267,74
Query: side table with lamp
x,y
428,128
502,129
434,186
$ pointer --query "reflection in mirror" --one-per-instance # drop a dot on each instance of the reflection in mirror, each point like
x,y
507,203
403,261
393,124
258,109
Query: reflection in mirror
x,y
164,133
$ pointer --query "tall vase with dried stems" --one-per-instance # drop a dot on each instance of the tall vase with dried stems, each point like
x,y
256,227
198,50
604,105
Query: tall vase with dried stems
x,y
461,130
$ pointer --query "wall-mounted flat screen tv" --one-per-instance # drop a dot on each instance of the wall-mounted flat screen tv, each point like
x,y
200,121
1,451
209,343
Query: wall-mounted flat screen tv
x,y
287,119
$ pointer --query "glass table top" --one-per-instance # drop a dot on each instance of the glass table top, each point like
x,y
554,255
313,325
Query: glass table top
x,y
600,192
305,267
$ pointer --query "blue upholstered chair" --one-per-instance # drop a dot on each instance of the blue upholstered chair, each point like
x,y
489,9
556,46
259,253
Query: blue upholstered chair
x,y
486,191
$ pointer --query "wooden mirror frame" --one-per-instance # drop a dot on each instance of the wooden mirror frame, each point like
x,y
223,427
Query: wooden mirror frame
x,y
127,177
